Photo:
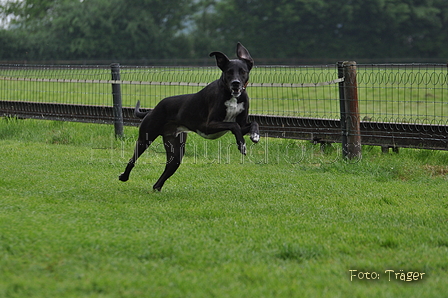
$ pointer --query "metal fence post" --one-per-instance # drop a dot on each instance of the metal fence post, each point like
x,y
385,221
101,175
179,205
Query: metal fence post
x,y
350,119
116,93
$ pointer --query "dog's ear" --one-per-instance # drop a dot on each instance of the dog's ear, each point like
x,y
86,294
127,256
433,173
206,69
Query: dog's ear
x,y
243,54
221,60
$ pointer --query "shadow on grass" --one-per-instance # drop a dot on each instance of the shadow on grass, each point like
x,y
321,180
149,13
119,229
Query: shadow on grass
x,y
295,252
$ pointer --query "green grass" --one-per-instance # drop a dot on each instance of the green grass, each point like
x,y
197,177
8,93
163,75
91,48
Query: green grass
x,y
264,226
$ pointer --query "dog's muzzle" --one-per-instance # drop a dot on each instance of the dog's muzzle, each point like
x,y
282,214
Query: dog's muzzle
x,y
236,88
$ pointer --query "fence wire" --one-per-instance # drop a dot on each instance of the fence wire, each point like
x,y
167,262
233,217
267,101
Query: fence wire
x,y
273,91
32,83
401,93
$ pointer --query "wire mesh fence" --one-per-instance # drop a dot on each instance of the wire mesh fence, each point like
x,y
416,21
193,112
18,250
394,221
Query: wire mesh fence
x,y
278,91
404,93
56,84
400,93
396,101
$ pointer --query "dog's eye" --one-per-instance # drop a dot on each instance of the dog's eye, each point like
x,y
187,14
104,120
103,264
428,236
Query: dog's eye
x,y
243,72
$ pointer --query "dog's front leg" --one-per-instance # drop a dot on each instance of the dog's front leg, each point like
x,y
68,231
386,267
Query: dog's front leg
x,y
254,132
253,129
239,139
242,147
219,127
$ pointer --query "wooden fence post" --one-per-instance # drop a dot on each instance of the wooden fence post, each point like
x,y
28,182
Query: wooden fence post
x,y
350,119
116,93
342,107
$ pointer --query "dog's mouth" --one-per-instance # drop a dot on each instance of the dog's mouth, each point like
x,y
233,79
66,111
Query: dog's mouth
x,y
236,92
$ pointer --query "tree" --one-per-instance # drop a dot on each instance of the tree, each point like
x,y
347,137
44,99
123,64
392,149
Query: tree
x,y
27,12
284,29
103,29
341,30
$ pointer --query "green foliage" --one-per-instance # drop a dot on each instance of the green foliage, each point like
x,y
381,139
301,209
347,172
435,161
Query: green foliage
x,y
102,29
154,29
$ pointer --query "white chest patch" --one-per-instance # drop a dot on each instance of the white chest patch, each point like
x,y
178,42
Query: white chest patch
x,y
233,109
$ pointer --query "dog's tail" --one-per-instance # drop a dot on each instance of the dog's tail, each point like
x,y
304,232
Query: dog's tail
x,y
137,111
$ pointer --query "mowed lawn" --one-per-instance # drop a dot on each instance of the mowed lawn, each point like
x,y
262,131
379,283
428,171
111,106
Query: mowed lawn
x,y
286,221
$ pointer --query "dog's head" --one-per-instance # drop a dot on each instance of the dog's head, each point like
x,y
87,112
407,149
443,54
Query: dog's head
x,y
235,72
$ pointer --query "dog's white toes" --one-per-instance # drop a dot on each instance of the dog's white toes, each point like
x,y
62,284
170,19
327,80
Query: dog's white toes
x,y
243,149
255,137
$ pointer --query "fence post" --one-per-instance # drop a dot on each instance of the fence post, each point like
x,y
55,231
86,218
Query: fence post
x,y
350,120
342,107
116,93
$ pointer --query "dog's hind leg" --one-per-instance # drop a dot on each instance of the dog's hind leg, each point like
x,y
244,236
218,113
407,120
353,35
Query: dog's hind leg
x,y
141,145
175,150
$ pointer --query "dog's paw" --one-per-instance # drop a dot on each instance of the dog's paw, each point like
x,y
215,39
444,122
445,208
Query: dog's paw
x,y
123,177
242,148
255,137
157,188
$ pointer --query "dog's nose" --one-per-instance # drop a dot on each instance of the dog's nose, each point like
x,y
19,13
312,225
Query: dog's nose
x,y
235,83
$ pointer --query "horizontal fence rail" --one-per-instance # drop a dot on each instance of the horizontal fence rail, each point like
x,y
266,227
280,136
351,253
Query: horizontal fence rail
x,y
388,135
400,105
291,85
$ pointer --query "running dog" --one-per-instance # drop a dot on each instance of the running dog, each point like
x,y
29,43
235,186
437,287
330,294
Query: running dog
x,y
220,107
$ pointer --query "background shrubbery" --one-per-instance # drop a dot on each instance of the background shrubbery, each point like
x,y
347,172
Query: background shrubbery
x,y
316,30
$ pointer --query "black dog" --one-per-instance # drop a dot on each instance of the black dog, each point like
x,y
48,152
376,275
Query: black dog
x,y
220,107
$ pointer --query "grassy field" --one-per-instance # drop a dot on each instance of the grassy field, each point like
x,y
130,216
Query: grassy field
x,y
286,221
393,94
